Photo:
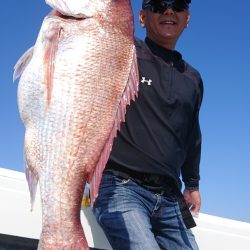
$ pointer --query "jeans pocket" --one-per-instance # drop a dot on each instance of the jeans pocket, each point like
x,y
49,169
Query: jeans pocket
x,y
109,180
120,181
171,198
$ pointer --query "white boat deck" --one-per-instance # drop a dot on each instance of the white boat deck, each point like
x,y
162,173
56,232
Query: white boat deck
x,y
212,233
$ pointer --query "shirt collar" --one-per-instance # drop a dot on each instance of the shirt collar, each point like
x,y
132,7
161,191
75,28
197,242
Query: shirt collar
x,y
167,55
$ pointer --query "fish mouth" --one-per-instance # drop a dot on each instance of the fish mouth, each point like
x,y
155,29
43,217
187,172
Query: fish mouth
x,y
61,15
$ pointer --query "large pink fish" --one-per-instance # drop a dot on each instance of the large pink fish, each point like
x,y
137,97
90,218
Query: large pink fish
x,y
74,87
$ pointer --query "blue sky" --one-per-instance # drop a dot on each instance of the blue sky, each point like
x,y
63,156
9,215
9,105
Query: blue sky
x,y
217,43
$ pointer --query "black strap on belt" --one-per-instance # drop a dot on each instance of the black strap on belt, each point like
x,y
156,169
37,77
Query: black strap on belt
x,y
185,212
156,184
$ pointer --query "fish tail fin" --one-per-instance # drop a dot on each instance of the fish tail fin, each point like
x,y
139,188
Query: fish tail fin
x,y
130,93
32,180
22,62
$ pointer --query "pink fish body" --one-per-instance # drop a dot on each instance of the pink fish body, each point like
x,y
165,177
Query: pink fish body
x,y
72,95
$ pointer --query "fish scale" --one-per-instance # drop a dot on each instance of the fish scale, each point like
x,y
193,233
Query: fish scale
x,y
72,95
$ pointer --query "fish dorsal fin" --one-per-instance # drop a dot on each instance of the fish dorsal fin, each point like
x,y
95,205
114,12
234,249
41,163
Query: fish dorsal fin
x,y
130,93
22,63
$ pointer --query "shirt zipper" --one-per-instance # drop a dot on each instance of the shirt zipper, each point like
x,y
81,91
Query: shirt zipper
x,y
170,80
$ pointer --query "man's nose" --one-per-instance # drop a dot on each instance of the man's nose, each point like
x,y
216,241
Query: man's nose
x,y
168,11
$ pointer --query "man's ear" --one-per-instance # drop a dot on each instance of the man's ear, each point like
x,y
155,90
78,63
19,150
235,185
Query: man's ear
x,y
188,18
142,18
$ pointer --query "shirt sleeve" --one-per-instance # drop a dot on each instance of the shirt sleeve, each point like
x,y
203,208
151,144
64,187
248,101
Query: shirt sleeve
x,y
191,168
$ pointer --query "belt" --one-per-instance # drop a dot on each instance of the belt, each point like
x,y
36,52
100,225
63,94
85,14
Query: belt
x,y
155,183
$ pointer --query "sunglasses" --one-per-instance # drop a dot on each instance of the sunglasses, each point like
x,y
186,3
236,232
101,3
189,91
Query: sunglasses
x,y
159,6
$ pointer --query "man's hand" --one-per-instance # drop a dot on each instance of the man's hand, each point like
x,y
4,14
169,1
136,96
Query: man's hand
x,y
193,201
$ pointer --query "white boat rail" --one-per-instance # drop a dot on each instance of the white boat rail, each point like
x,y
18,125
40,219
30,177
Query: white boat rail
x,y
16,219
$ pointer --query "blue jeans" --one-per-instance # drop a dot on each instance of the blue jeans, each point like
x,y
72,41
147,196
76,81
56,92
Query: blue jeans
x,y
134,218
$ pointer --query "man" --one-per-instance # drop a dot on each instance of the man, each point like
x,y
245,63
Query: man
x,y
140,205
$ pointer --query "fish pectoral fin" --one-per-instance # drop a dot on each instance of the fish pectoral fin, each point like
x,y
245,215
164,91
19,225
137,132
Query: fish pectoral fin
x,y
32,180
49,59
22,63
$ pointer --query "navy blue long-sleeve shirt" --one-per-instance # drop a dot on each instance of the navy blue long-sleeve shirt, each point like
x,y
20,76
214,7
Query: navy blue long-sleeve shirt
x,y
161,134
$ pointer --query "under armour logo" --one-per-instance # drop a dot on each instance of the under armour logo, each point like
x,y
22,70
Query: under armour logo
x,y
148,82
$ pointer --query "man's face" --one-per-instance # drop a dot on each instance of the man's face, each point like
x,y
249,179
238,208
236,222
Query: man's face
x,y
165,28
